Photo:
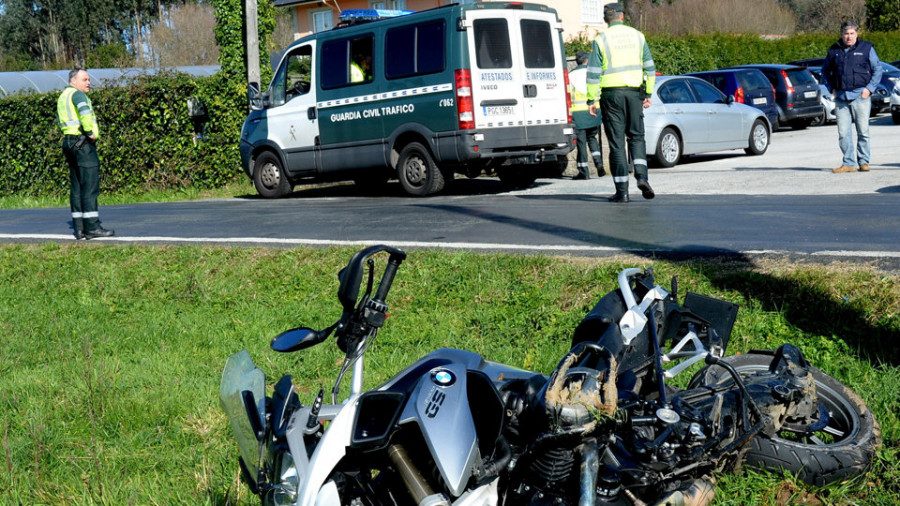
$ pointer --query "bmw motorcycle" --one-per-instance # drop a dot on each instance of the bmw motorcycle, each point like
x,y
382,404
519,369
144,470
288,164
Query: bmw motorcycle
x,y
606,427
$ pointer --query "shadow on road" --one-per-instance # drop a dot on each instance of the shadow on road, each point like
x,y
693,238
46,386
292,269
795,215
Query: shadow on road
x,y
393,189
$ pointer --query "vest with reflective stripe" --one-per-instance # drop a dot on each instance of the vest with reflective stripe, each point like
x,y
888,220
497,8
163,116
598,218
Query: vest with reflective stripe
x,y
578,88
625,61
76,119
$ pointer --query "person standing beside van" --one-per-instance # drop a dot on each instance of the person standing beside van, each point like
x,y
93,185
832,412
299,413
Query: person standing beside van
x,y
621,74
587,126
851,72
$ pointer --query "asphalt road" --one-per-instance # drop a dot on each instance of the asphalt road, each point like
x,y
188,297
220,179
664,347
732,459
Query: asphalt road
x,y
786,201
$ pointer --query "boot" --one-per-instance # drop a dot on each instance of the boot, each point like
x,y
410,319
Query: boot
x,y
620,197
844,168
645,188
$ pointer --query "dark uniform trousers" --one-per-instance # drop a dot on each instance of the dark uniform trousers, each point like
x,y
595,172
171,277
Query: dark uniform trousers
x,y
588,147
84,172
623,117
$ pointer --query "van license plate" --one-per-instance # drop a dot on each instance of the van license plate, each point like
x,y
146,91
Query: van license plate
x,y
499,110
810,94
760,100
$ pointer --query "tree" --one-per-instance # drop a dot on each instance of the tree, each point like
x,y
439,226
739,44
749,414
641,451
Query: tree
x,y
884,15
230,37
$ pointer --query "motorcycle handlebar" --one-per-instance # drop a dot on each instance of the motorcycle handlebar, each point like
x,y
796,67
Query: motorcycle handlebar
x,y
351,276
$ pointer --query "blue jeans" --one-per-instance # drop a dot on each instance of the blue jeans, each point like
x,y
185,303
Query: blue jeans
x,y
857,112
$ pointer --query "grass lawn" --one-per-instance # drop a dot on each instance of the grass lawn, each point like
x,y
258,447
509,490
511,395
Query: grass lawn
x,y
110,356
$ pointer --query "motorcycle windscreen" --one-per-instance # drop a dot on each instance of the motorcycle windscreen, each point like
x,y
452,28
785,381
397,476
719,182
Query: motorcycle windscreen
x,y
241,375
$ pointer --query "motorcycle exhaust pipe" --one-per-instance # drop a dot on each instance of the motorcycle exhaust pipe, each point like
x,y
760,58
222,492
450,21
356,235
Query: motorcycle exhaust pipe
x,y
418,488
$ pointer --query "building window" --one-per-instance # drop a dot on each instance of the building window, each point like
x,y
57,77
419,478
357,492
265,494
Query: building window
x,y
378,5
591,12
400,5
321,20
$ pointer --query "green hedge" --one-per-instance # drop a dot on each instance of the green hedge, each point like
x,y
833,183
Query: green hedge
x,y
147,138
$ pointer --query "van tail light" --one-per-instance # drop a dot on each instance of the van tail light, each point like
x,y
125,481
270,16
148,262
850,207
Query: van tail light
x,y
790,89
739,95
568,98
465,105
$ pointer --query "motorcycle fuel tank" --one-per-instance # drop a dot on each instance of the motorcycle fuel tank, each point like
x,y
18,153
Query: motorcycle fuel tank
x,y
440,405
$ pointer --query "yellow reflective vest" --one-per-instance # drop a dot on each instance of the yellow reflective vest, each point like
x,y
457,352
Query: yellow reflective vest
x,y
75,114
620,58
578,88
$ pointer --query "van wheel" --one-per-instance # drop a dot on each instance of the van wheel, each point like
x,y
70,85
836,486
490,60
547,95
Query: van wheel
x,y
417,172
759,139
517,176
668,148
269,178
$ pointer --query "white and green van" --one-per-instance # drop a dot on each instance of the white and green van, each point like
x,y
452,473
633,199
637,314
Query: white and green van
x,y
462,89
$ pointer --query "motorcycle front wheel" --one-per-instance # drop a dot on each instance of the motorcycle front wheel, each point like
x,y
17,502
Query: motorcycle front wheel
x,y
840,450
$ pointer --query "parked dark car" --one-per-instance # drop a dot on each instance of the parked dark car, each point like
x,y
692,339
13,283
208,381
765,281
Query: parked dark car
x,y
797,93
747,86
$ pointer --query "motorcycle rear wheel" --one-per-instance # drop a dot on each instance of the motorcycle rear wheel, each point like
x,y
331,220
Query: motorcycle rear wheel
x,y
841,450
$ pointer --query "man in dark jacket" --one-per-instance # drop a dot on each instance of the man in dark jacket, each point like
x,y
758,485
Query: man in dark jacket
x,y
851,72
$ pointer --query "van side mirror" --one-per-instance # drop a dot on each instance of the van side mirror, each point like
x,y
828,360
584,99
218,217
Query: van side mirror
x,y
254,97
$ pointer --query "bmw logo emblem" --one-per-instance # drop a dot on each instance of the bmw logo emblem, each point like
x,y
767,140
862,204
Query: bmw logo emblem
x,y
443,377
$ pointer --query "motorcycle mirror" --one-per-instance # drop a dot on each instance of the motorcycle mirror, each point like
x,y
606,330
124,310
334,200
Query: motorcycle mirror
x,y
299,339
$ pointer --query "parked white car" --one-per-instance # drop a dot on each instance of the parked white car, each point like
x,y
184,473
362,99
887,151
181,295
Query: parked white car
x,y
691,116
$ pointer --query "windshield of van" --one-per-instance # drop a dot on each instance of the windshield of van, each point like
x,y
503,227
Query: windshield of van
x,y
492,50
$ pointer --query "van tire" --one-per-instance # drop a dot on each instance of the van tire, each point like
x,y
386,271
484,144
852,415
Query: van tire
x,y
269,177
417,172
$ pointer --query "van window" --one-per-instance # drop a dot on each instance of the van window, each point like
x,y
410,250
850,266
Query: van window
x,y
347,61
293,77
492,50
537,43
414,50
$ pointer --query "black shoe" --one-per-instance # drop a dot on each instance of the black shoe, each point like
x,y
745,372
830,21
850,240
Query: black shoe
x,y
646,191
79,235
619,197
100,232
601,172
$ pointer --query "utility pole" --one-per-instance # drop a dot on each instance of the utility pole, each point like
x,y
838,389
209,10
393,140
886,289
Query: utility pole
x,y
252,43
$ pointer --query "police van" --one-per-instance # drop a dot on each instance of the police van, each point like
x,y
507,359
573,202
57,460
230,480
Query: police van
x,y
420,97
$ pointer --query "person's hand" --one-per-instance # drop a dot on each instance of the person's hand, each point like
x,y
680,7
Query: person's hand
x,y
866,93
592,109
647,102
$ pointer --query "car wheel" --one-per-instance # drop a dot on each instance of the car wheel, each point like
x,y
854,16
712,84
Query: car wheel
x,y
668,148
759,138
269,177
417,172
819,120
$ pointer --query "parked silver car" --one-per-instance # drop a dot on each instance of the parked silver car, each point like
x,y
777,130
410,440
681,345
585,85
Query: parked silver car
x,y
690,116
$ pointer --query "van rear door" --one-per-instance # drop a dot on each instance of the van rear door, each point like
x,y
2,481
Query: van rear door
x,y
516,69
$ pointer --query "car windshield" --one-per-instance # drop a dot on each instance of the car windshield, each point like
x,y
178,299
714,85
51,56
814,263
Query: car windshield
x,y
801,76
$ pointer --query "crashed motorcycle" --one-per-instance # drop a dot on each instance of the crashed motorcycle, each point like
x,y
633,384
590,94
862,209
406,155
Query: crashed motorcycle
x,y
606,427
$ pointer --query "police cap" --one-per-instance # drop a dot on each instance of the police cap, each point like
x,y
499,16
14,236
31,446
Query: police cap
x,y
613,7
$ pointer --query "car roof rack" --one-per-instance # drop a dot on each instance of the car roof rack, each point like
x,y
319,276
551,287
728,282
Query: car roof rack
x,y
351,17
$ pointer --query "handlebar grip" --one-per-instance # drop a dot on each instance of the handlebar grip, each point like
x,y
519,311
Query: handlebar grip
x,y
388,278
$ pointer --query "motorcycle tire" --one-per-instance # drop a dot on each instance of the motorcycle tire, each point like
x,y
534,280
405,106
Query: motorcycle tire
x,y
840,451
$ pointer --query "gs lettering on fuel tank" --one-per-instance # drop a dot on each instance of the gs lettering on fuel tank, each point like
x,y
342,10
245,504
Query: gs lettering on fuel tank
x,y
441,378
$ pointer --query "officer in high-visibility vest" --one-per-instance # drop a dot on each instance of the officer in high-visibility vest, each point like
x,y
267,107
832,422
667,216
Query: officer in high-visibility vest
x,y
621,73
587,127
79,125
